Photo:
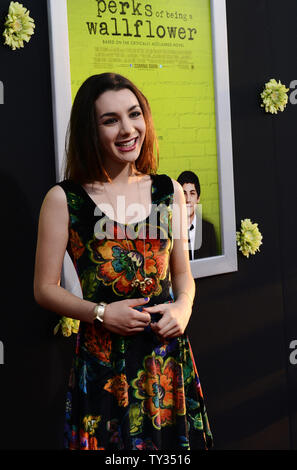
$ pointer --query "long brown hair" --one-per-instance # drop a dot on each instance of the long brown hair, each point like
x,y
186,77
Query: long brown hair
x,y
84,163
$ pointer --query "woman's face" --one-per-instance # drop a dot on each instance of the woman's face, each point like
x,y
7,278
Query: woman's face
x,y
121,126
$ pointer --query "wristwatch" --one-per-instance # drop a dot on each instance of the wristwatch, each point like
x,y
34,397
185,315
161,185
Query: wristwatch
x,y
99,311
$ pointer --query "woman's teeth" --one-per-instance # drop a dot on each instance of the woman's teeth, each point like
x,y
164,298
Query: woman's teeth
x,y
126,144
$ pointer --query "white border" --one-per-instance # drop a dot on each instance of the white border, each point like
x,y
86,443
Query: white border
x,y
61,92
61,97
60,74
227,262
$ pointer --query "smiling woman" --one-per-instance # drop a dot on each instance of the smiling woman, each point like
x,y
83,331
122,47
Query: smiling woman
x,y
134,383
121,129
85,124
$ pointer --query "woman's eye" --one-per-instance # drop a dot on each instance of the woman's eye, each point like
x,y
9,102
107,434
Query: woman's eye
x,y
135,114
110,121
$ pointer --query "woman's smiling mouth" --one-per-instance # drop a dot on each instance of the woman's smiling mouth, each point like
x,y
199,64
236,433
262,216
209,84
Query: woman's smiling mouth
x,y
127,145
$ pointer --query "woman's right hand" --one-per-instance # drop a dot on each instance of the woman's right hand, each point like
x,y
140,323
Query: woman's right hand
x,y
120,317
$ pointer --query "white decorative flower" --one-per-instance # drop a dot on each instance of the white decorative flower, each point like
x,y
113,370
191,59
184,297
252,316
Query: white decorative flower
x,y
19,27
67,325
249,238
274,96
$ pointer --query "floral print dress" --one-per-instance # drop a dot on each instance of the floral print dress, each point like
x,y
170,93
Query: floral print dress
x,y
129,392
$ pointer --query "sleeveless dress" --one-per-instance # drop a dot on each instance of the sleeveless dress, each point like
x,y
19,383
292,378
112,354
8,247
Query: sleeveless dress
x,y
134,392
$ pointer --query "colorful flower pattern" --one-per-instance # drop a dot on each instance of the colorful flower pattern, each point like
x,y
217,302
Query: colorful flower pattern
x,y
76,244
118,386
129,392
159,384
98,343
122,260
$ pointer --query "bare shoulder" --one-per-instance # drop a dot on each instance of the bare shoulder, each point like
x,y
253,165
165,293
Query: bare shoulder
x,y
176,185
178,190
54,205
56,194
55,197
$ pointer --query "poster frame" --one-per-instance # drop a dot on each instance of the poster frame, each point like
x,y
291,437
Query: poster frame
x,y
61,98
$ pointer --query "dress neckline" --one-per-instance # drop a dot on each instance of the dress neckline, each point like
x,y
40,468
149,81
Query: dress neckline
x,y
91,200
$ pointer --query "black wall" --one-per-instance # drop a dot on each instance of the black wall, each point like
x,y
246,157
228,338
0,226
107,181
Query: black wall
x,y
242,323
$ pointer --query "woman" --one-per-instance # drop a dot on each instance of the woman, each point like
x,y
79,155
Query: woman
x,y
134,383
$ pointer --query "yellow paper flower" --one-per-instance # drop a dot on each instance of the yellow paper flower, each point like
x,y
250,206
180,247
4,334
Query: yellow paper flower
x,y
249,238
67,325
19,27
274,96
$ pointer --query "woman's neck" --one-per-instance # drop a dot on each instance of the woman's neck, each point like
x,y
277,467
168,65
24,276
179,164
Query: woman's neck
x,y
122,175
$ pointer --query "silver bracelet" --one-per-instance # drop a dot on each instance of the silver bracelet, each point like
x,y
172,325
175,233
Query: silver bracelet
x,y
99,311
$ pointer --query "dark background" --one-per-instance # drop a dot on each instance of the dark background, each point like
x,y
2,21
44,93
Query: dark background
x,y
242,323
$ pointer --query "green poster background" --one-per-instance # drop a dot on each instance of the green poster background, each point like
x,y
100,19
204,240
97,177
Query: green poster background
x,y
165,48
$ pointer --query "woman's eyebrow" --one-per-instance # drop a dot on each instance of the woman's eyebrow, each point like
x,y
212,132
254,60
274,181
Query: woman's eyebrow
x,y
114,113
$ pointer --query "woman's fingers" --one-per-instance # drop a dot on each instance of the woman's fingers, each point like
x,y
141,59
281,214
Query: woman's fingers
x,y
176,331
139,323
121,318
134,330
166,326
142,315
136,302
165,322
171,333
141,318
155,309
164,330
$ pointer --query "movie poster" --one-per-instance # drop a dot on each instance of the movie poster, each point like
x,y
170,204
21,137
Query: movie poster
x,y
165,48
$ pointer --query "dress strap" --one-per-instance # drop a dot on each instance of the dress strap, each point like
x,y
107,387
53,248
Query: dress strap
x,y
68,185
76,199
73,189
162,187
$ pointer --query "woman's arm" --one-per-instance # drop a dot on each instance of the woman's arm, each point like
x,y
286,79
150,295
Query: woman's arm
x,y
183,284
176,315
120,317
51,246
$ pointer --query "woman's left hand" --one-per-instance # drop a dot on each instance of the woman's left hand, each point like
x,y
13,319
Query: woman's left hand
x,y
175,317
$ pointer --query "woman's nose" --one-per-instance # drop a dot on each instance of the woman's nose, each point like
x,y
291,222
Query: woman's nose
x,y
126,126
